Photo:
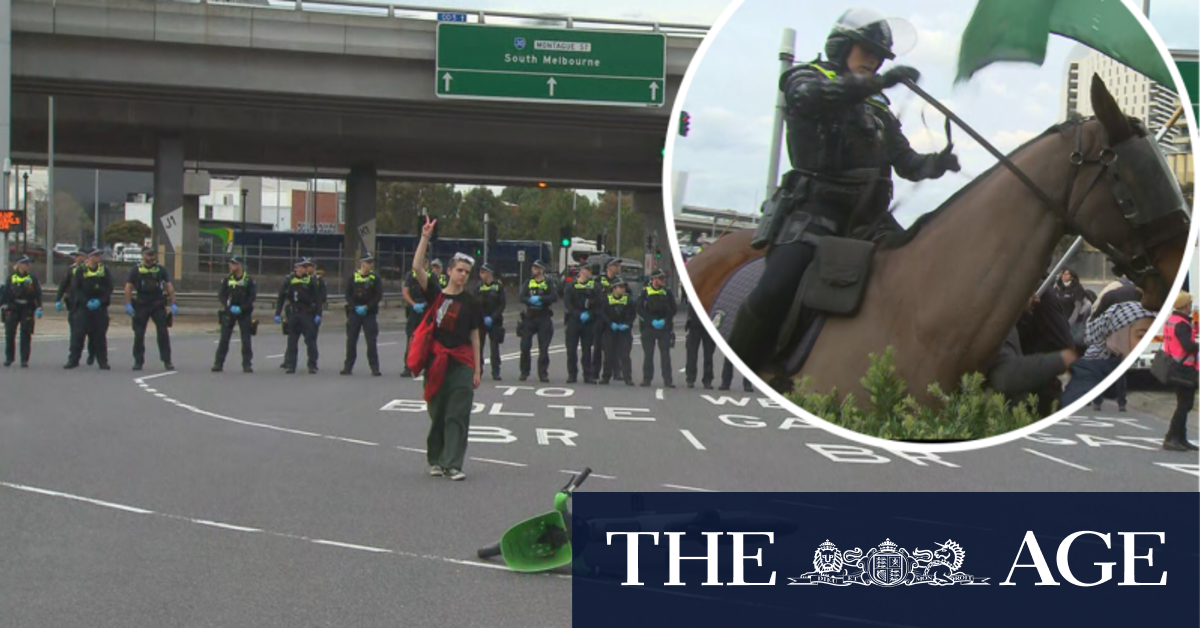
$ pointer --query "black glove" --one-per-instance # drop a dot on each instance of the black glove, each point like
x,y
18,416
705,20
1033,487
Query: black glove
x,y
947,160
899,74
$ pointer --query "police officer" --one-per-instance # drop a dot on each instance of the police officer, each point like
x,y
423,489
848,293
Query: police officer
x,y
415,303
238,293
62,299
727,378
656,307
362,308
91,294
303,296
492,300
843,142
581,301
603,288
618,316
697,336
436,270
148,295
21,302
537,296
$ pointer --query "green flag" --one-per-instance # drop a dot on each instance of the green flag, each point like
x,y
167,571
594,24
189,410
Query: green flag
x,y
1018,30
1190,71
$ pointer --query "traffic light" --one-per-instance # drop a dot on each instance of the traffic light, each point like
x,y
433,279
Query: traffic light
x,y
491,236
600,242
657,253
685,122
564,234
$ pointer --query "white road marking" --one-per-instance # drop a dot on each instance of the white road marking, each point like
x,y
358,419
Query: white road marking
x,y
1190,469
658,394
1058,460
593,475
692,439
150,377
503,462
689,488
412,449
238,528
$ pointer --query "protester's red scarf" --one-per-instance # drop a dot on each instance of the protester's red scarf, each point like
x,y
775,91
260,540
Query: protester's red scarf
x,y
426,354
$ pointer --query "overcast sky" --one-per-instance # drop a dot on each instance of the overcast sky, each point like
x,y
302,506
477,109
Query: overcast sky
x,y
732,95
700,12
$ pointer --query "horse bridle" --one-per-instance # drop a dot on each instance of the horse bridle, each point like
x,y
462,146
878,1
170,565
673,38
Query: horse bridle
x,y
1158,213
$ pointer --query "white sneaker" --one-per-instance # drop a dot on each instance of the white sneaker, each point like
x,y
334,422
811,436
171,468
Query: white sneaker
x,y
436,471
455,474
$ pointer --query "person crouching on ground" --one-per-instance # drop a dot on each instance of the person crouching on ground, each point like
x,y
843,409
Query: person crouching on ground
x,y
446,346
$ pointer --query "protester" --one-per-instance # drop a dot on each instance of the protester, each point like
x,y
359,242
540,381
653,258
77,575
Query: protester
x,y
1180,345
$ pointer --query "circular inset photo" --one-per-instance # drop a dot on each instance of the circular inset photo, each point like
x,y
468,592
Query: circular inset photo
x,y
929,222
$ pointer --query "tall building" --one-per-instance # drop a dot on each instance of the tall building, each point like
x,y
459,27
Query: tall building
x,y
1137,95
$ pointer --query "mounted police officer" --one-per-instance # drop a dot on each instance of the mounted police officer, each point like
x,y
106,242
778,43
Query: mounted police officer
x,y
237,294
20,303
148,296
536,321
843,143
415,303
581,301
304,297
91,294
491,298
604,285
362,307
62,299
657,308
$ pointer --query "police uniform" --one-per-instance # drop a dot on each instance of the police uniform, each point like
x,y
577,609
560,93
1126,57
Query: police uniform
x,y
363,295
22,301
414,312
62,300
843,142
604,285
304,300
620,312
149,303
91,294
237,295
580,322
537,321
656,304
492,300
697,337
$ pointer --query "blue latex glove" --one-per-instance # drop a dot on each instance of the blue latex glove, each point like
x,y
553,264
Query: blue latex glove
x,y
39,312
615,327
361,310
624,327
128,309
93,304
58,306
278,320
659,323
235,310
174,310
535,301
585,317
419,308
487,320
317,320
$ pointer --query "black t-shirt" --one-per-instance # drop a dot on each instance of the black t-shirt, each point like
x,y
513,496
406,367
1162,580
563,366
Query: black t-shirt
x,y
463,311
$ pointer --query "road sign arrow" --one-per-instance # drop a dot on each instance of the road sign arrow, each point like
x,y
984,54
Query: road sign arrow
x,y
552,83
653,91
446,78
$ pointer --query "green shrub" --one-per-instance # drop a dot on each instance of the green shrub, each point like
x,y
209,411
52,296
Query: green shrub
x,y
970,413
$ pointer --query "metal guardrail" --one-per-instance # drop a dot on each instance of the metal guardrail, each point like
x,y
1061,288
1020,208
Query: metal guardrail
x,y
365,7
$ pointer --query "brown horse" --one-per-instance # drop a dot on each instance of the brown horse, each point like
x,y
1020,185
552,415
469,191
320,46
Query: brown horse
x,y
947,298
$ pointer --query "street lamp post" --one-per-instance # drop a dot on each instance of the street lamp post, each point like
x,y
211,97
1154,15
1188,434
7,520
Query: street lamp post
x,y
25,210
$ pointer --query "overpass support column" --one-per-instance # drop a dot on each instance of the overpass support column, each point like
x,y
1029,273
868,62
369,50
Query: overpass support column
x,y
650,204
360,217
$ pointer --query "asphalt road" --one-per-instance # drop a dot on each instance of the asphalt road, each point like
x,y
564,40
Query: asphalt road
x,y
202,499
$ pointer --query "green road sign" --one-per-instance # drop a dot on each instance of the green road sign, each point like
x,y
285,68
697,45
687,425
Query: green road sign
x,y
1191,78
526,64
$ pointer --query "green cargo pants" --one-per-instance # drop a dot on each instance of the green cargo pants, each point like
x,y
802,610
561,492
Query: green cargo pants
x,y
450,413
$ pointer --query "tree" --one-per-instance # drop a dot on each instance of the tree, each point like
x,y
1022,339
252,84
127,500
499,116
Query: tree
x,y
71,223
127,231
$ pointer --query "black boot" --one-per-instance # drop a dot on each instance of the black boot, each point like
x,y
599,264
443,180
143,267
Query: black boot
x,y
753,338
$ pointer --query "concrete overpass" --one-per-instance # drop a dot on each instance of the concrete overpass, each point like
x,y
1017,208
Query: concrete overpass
x,y
251,89
705,223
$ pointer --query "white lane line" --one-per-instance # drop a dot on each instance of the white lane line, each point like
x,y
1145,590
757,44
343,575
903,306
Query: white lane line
x,y
149,389
503,462
412,449
593,475
689,488
658,394
1058,460
272,357
354,441
1190,469
156,375
160,395
692,439
239,528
